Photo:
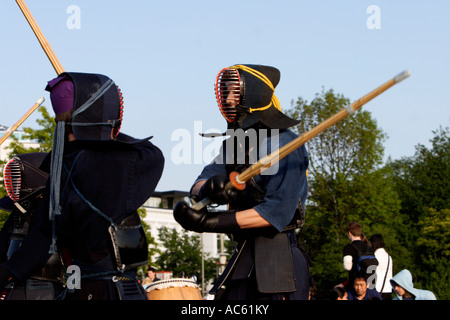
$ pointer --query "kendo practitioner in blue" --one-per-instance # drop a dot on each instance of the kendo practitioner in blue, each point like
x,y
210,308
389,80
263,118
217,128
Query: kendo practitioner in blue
x,y
99,177
25,183
262,218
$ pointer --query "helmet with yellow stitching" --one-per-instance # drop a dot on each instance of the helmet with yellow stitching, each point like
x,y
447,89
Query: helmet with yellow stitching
x,y
246,99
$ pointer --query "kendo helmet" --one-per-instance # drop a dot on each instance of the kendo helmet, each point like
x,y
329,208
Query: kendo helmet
x,y
246,99
23,179
96,101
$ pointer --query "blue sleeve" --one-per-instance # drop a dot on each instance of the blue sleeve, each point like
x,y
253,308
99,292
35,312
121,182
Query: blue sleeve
x,y
284,186
285,183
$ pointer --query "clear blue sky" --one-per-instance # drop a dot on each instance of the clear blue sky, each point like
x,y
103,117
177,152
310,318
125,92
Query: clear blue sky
x,y
165,56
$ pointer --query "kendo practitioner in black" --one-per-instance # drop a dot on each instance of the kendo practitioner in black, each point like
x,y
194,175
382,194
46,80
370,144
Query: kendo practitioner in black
x,y
99,177
25,183
262,218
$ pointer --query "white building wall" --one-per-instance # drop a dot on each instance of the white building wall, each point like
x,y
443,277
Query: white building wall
x,y
157,218
4,150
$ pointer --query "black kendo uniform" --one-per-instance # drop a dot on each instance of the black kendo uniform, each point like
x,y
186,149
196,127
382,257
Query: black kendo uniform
x,y
105,176
25,183
267,263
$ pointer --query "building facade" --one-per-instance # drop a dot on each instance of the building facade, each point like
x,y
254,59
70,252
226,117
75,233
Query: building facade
x,y
159,213
21,137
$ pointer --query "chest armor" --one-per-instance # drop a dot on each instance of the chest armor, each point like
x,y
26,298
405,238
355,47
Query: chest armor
x,y
239,159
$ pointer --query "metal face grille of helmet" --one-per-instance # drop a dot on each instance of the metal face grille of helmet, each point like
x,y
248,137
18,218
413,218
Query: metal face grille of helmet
x,y
12,175
228,92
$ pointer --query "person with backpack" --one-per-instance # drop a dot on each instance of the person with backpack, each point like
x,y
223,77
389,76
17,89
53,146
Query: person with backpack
x,y
358,256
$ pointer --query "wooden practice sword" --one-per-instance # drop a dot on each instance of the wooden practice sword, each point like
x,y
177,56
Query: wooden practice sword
x,y
21,120
237,180
41,38
51,56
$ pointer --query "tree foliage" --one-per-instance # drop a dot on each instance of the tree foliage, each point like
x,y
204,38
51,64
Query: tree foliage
x,y
151,242
406,200
182,255
423,184
43,136
352,146
346,182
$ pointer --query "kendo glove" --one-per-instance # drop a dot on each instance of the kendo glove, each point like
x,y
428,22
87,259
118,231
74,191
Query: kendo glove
x,y
205,221
215,190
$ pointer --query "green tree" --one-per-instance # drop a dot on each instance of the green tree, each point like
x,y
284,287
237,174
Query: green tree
x,y
346,182
423,184
183,255
151,242
43,135
423,180
434,252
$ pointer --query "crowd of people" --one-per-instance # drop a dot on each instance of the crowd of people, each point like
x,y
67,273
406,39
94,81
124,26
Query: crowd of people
x,y
370,272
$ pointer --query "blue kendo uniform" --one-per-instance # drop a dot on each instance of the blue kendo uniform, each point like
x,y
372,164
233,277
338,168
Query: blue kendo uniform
x,y
284,183
282,186
266,263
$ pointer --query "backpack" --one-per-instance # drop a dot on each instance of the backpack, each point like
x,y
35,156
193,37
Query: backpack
x,y
366,260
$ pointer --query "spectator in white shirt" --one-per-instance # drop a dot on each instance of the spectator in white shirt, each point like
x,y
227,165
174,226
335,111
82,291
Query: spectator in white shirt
x,y
384,269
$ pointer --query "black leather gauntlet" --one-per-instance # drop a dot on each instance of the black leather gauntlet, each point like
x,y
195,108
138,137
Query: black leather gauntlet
x,y
215,190
205,221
